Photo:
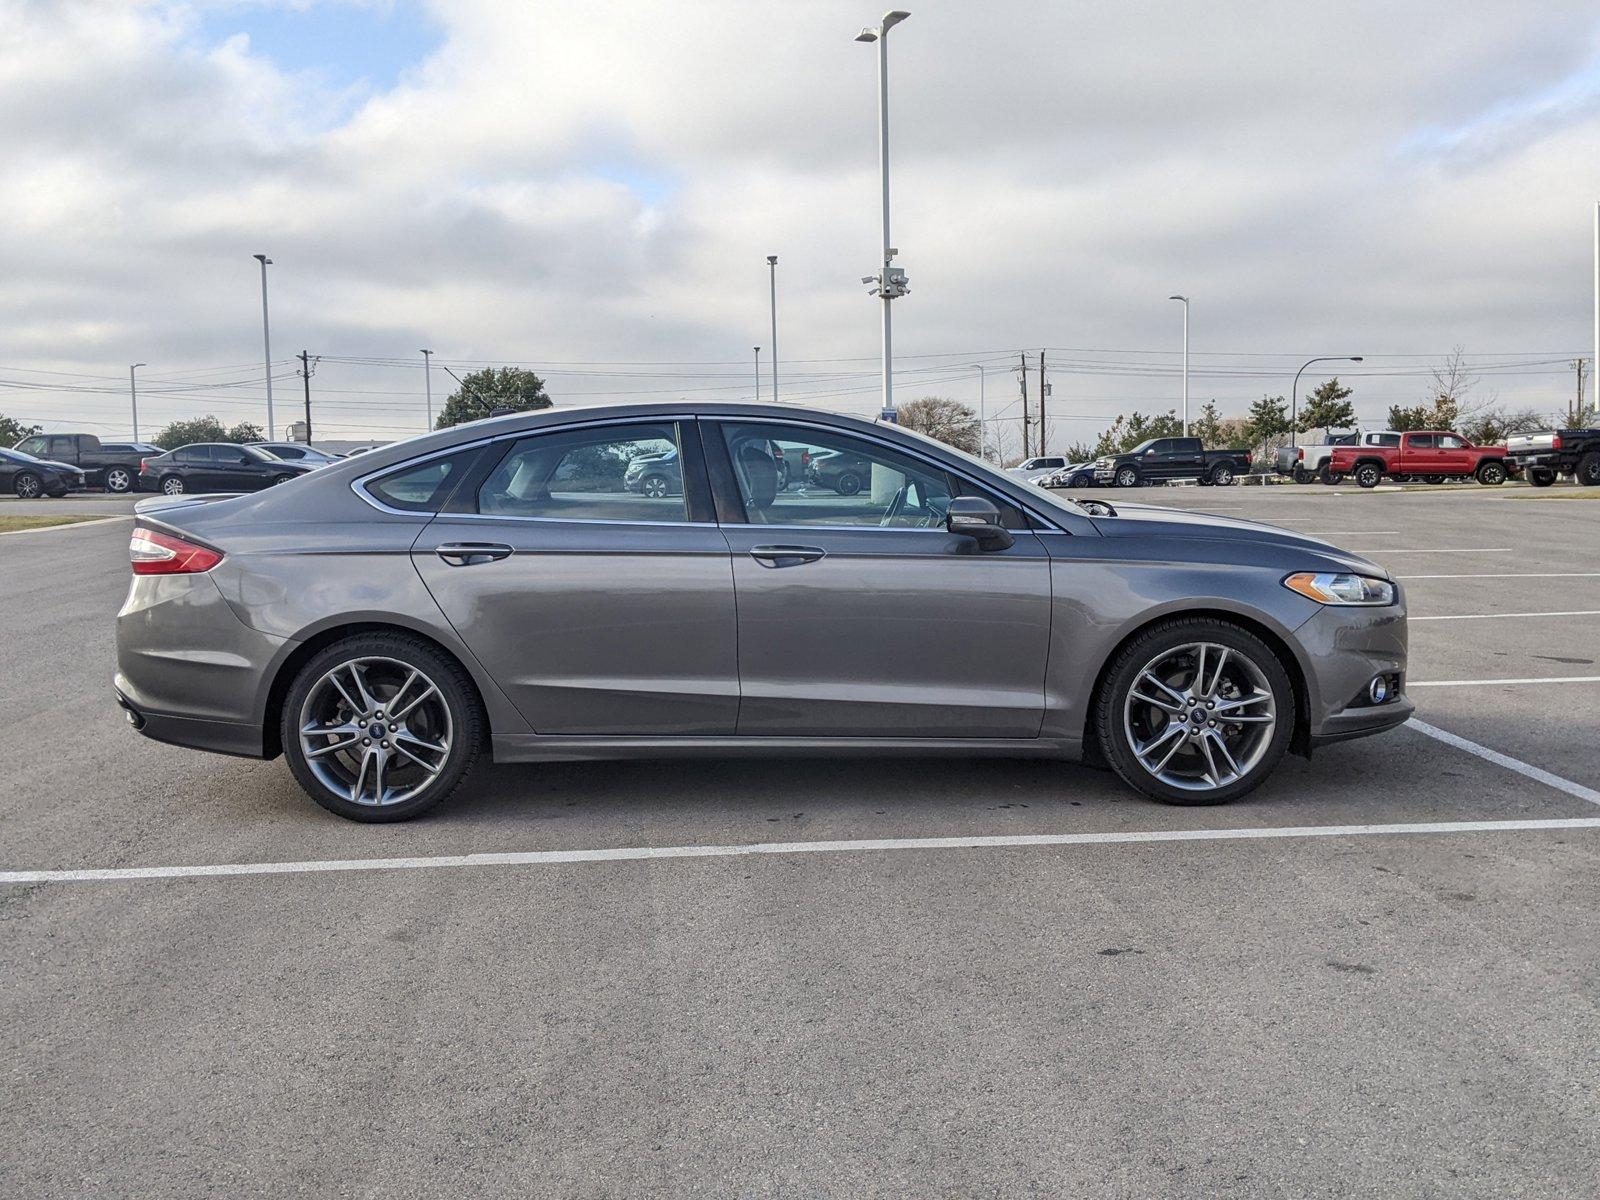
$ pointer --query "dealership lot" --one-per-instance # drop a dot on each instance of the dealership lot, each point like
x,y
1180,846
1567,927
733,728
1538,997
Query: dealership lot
x,y
1367,1010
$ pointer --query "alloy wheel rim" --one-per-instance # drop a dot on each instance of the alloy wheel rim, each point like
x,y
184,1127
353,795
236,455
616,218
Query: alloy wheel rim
x,y
1199,716
172,487
375,731
117,480
27,487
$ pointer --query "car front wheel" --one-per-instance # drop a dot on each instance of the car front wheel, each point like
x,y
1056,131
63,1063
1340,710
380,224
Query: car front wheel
x,y
655,487
1491,474
28,486
381,727
1195,711
1127,477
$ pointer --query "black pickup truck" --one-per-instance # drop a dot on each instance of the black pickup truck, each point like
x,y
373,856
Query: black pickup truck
x,y
1160,459
1543,455
114,467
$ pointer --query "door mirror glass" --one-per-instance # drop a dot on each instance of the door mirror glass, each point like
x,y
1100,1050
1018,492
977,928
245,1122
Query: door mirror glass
x,y
979,519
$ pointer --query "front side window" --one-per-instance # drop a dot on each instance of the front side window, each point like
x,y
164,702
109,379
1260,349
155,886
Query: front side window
x,y
607,473
838,479
1448,441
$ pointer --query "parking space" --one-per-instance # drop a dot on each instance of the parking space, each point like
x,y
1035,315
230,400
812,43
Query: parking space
x,y
1227,1013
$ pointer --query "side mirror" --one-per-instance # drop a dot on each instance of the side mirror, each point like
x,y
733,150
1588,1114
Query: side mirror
x,y
979,519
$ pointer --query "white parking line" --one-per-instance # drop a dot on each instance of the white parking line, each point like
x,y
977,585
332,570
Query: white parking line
x,y
1513,575
1575,612
533,858
1433,550
68,525
1506,761
1411,683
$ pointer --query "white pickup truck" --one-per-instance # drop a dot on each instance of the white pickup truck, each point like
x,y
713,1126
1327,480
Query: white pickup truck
x,y
1306,464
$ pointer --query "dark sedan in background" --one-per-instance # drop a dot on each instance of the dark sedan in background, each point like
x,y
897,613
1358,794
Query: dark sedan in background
x,y
29,478
215,467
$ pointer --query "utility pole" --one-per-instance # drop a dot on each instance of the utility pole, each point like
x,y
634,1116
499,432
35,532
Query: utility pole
x,y
1578,365
1596,359
1044,391
427,383
305,375
266,343
772,273
758,374
133,395
1022,373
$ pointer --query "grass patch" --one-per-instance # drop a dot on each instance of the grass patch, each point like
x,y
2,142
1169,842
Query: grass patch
x,y
15,524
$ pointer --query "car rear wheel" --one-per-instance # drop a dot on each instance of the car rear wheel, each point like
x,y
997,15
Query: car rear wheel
x,y
1541,476
1433,478
1588,472
1492,474
118,479
1301,475
1222,475
1127,477
172,485
848,484
1332,477
28,486
381,727
1195,711
1367,475
1080,481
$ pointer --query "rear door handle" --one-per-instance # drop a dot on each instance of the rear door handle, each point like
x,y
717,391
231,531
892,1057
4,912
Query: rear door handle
x,y
469,554
786,556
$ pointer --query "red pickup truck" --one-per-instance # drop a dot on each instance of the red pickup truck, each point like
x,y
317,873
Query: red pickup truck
x,y
1434,456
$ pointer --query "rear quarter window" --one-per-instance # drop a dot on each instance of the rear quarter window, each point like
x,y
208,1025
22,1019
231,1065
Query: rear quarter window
x,y
422,487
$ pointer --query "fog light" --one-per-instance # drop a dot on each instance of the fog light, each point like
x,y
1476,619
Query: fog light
x,y
1378,690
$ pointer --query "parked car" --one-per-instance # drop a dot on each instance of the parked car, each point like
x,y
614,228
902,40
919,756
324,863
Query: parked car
x,y
655,475
1037,467
387,619
28,477
114,467
1434,455
296,452
1073,475
844,472
215,467
1158,460
1542,456
1307,464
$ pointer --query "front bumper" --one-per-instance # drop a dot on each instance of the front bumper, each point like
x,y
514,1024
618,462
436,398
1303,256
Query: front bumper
x,y
1346,648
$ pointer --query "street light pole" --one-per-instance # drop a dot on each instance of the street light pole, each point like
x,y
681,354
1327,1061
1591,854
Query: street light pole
x,y
1185,300
133,396
266,342
427,383
758,374
1294,394
890,282
983,415
772,272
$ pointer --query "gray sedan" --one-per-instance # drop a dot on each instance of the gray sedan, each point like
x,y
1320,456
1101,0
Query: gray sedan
x,y
498,588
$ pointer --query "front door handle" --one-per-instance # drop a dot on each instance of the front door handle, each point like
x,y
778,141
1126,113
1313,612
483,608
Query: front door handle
x,y
786,556
469,554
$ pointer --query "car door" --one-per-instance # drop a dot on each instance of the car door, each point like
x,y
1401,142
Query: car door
x,y
1455,457
860,615
596,609
1419,454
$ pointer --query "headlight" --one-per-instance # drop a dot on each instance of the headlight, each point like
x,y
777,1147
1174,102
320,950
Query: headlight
x,y
1341,589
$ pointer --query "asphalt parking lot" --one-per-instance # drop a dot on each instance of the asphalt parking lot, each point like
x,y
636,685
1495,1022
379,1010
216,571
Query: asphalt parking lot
x,y
1141,1001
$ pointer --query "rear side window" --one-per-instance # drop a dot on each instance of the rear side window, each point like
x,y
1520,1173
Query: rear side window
x,y
1384,439
1423,441
604,473
424,486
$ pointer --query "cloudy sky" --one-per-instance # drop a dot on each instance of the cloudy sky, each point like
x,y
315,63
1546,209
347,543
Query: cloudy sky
x,y
592,188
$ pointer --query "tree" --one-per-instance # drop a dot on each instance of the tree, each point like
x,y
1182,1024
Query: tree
x,y
206,429
1267,422
1403,419
13,431
1497,424
946,420
1328,408
1127,432
482,392
1209,429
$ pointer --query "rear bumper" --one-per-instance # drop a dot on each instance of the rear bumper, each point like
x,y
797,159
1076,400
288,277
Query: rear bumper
x,y
220,737
1553,459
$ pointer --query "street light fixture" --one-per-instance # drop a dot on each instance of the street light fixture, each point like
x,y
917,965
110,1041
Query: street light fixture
x,y
1185,300
266,342
133,396
1294,394
772,272
890,281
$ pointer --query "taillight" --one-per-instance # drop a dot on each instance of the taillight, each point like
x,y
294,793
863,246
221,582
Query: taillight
x,y
153,553
144,466
1555,442
1300,455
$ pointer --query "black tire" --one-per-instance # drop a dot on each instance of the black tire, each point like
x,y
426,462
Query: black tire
x,y
172,485
120,479
655,486
277,479
1368,476
1331,478
1222,475
1119,678
455,689
1301,475
27,486
1401,478
1080,481
1127,477
1541,476
1588,472
1491,474
1433,478
848,484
